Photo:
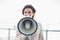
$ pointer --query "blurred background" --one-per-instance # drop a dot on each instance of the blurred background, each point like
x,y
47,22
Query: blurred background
x,y
47,13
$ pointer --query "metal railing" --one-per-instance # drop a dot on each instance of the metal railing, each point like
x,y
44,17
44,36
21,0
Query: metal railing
x,y
43,30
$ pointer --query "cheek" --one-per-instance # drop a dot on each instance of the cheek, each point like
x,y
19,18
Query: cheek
x,y
31,14
24,13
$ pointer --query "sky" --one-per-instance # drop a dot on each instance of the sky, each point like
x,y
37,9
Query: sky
x,y
47,12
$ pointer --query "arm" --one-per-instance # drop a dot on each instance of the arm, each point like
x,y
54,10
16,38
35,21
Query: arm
x,y
19,36
41,36
41,33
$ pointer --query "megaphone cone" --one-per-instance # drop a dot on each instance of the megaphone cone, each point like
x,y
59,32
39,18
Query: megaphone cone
x,y
27,26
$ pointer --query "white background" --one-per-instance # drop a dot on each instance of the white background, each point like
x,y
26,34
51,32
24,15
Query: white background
x,y
47,13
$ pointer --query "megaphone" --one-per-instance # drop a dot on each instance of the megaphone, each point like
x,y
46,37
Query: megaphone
x,y
27,26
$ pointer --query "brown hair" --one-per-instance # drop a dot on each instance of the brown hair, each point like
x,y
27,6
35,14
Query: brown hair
x,y
29,6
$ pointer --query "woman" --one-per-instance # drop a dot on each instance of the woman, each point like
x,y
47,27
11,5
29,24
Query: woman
x,y
38,35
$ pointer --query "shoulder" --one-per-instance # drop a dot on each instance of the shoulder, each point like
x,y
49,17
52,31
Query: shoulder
x,y
39,25
38,22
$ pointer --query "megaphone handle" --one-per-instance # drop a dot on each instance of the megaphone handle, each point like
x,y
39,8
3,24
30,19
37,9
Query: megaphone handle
x,y
28,38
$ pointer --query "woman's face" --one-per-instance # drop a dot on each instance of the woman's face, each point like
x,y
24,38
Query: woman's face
x,y
29,12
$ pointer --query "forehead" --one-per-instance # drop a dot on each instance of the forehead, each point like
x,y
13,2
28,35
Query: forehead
x,y
28,9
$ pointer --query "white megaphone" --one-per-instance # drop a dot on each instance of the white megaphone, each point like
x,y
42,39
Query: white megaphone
x,y
27,26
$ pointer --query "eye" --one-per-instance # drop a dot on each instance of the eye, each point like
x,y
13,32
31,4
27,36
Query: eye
x,y
29,12
25,12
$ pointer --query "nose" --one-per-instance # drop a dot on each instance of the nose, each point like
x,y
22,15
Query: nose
x,y
27,14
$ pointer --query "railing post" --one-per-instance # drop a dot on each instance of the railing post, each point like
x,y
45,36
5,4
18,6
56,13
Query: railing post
x,y
9,34
46,34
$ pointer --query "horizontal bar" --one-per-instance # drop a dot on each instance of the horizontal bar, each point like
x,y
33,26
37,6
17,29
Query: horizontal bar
x,y
52,30
43,30
6,29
